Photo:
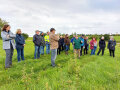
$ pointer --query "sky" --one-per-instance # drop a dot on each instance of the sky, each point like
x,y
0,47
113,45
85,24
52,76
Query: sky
x,y
66,16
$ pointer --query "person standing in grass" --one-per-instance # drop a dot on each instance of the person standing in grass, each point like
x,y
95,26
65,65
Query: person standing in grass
x,y
53,45
20,43
111,46
72,41
92,46
86,45
95,45
102,46
8,44
47,42
42,45
60,45
82,44
37,43
67,43
77,45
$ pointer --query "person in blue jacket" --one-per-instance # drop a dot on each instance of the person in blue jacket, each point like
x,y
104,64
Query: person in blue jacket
x,y
82,44
20,43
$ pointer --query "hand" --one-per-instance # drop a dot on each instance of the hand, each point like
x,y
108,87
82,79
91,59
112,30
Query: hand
x,y
23,44
8,36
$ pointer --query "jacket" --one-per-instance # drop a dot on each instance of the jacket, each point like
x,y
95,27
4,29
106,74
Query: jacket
x,y
67,41
82,39
102,43
7,41
47,39
53,40
111,45
91,44
42,40
86,44
77,43
37,40
20,41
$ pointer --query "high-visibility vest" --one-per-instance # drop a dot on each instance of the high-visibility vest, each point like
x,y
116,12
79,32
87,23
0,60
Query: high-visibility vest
x,y
47,38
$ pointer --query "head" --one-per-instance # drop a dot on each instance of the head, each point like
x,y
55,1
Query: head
x,y
83,35
18,31
52,30
61,36
76,37
66,36
94,38
102,38
42,33
111,38
48,33
6,28
37,32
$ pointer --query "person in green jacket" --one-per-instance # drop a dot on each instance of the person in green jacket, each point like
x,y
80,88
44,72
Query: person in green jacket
x,y
77,46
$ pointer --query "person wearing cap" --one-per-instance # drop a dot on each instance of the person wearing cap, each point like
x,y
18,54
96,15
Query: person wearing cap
x,y
82,44
53,45
102,46
47,42
77,45
37,43
111,46
42,45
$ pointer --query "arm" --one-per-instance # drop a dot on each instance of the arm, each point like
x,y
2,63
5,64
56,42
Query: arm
x,y
12,35
5,37
18,41
55,37
34,40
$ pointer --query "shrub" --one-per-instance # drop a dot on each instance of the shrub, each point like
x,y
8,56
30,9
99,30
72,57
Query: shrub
x,y
25,35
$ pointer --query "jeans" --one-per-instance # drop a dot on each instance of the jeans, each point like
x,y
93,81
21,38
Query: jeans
x,y
42,50
85,50
9,54
20,54
94,50
67,48
53,56
37,52
103,49
48,48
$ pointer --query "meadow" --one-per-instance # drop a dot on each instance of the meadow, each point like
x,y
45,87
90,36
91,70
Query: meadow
x,y
87,73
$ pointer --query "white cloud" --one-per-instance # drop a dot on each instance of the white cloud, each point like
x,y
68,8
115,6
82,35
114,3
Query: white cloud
x,y
66,16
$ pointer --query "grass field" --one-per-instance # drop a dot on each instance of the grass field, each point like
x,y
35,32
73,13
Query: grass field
x,y
86,73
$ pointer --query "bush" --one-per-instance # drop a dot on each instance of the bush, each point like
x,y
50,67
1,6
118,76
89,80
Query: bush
x,y
25,35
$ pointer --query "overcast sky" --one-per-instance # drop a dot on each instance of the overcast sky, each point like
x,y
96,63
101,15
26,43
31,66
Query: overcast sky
x,y
66,16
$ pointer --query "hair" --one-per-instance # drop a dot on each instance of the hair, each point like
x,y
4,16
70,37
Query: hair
x,y
4,27
94,37
18,31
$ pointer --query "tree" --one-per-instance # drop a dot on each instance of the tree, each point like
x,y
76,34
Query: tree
x,y
2,23
25,35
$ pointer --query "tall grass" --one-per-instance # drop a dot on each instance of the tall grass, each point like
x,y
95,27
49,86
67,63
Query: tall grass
x,y
86,73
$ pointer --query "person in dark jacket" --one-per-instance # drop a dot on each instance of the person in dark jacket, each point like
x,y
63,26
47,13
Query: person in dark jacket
x,y
37,42
42,46
72,41
82,44
102,46
20,43
86,45
62,43
111,46
67,43
59,46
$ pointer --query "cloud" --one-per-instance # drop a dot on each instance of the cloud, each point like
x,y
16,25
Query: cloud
x,y
67,16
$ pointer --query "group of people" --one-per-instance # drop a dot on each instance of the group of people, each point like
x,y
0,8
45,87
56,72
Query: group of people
x,y
53,42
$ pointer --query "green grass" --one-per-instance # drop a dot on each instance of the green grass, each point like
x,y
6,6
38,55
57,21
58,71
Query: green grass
x,y
88,73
